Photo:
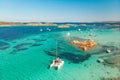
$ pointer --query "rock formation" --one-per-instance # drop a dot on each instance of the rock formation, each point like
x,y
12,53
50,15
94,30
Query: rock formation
x,y
84,45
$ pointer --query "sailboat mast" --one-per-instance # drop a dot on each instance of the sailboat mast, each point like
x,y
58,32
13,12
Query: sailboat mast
x,y
56,49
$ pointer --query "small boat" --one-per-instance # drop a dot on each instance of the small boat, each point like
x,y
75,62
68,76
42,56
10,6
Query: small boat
x,y
41,30
68,35
48,29
100,60
57,63
108,50
79,29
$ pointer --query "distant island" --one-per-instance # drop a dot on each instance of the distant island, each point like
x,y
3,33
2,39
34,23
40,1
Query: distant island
x,y
26,24
60,25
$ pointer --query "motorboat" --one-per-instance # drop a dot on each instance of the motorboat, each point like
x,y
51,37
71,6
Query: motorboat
x,y
108,50
57,63
41,30
100,60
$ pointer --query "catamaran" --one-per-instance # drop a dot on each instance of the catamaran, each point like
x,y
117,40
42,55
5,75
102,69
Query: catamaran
x,y
57,62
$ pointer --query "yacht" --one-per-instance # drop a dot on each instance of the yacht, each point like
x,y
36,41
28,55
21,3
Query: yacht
x,y
57,63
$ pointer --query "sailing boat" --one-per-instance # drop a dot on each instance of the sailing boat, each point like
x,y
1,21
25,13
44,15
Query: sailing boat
x,y
57,62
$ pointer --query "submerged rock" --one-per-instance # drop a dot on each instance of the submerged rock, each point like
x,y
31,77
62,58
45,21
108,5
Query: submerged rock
x,y
4,45
102,49
22,45
84,45
18,50
36,45
39,40
118,78
74,58
113,59
4,48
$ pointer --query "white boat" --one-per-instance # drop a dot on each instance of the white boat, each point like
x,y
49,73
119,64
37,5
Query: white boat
x,y
100,60
79,29
68,35
48,29
41,30
108,50
57,63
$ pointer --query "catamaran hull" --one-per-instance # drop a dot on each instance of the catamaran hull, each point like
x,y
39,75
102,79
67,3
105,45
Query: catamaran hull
x,y
57,65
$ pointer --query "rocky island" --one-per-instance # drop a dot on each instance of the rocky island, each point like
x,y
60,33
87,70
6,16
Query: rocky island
x,y
83,25
116,25
10,23
64,26
84,45
27,24
40,24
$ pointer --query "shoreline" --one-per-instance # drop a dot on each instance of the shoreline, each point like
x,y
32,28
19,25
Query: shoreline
x,y
60,25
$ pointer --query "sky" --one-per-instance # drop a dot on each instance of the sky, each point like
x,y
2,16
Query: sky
x,y
59,10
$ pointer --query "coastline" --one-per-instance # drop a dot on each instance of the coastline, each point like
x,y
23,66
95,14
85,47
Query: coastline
x,y
60,25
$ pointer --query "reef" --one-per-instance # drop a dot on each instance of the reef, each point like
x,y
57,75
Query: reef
x,y
73,58
113,60
4,48
110,78
4,45
17,50
102,49
36,45
39,40
19,46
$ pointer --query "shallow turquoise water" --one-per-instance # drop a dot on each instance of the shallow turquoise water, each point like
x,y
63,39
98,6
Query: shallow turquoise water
x,y
23,56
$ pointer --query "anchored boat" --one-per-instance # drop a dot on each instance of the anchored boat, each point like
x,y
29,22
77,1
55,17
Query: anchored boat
x,y
57,62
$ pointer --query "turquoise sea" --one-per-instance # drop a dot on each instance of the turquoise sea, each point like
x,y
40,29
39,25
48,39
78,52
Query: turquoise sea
x,y
26,52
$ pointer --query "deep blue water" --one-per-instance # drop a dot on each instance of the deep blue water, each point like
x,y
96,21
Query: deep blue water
x,y
11,33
